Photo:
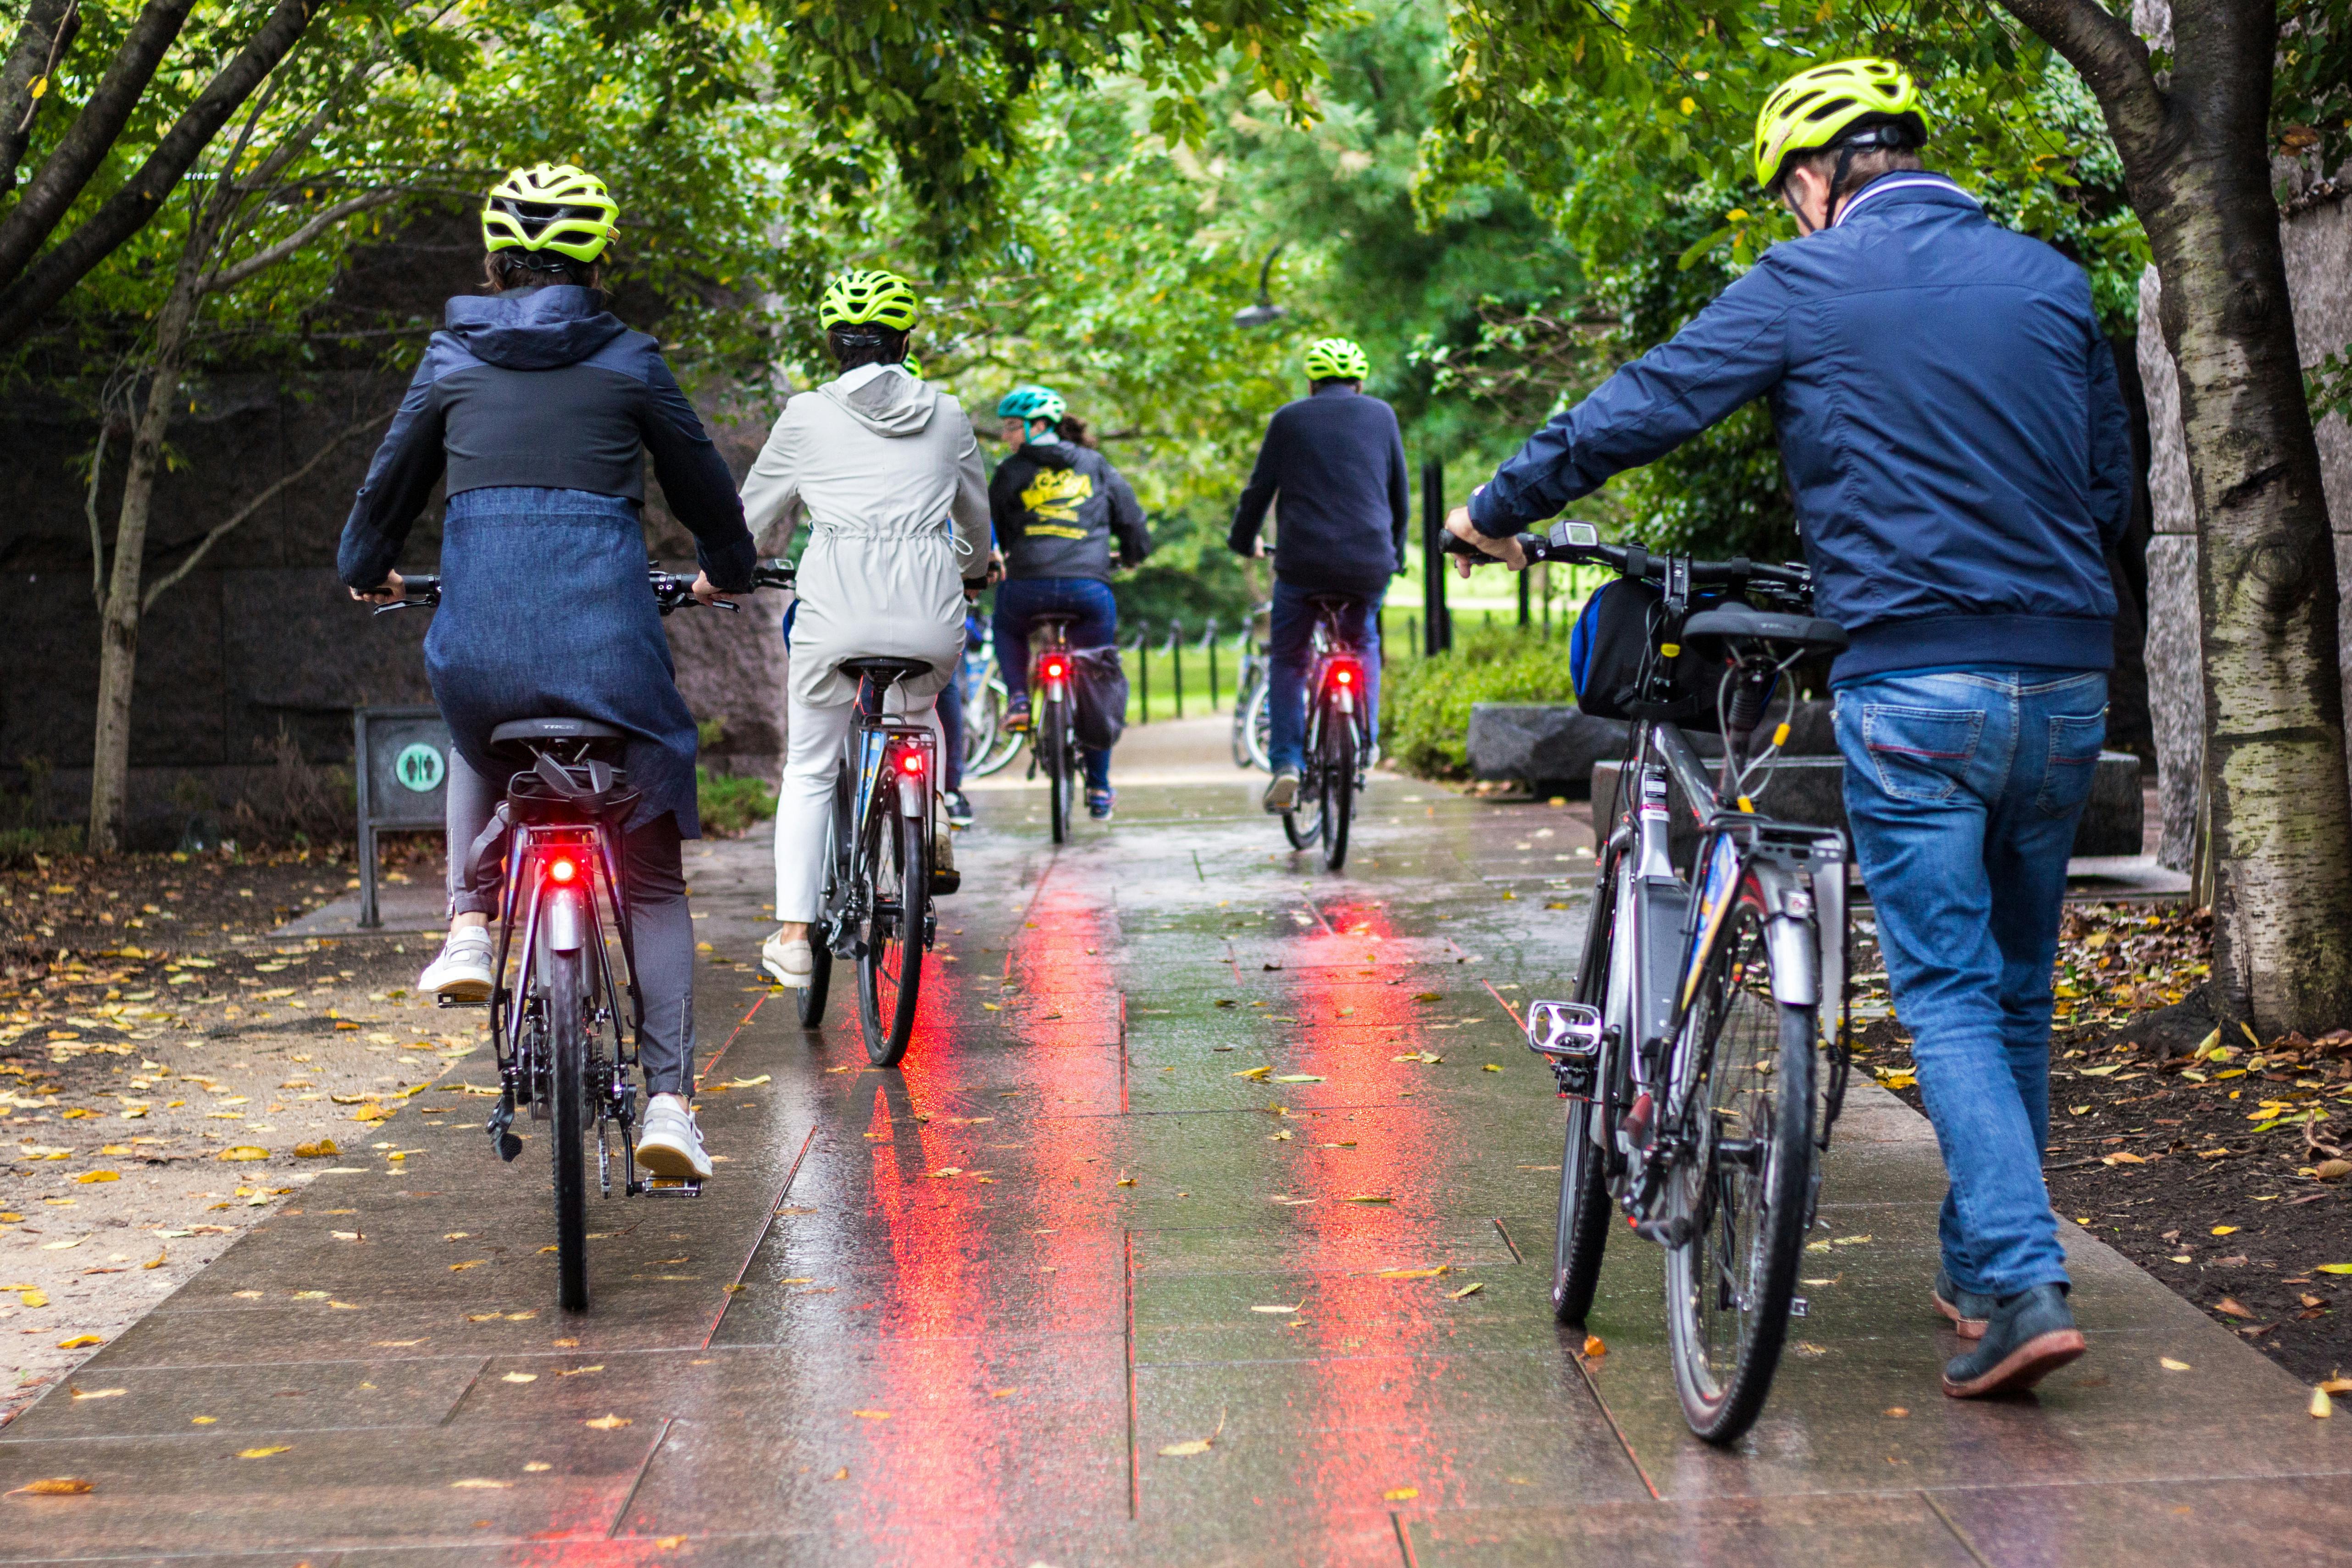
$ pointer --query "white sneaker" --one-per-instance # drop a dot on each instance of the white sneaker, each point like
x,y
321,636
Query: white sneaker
x,y
462,972
672,1144
791,962
1283,793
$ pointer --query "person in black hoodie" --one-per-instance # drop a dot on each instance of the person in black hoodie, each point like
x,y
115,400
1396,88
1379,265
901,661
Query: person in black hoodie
x,y
1058,505
1335,458
537,405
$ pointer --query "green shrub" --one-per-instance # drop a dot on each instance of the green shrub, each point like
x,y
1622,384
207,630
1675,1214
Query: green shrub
x,y
731,804
1425,703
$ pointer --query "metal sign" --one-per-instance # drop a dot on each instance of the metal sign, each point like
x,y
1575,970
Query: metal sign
x,y
401,759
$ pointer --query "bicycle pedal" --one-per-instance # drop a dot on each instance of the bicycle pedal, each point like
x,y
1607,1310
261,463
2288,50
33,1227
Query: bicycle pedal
x,y
660,1188
1796,1306
457,1002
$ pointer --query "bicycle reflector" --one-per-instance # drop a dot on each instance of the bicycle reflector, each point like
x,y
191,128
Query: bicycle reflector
x,y
563,868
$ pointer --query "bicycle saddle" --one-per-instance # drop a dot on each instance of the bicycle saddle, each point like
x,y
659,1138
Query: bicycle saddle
x,y
886,671
1333,603
1710,628
525,733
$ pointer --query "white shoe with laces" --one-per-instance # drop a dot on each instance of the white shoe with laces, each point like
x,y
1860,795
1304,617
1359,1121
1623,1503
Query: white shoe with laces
x,y
791,962
671,1146
462,972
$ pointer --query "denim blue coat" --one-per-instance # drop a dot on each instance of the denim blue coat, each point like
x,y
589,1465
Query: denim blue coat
x,y
1947,414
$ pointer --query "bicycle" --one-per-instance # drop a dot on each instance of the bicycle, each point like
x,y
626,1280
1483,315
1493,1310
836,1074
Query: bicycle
x,y
557,1035
1338,737
1054,728
1689,1055
876,911
1253,718
988,745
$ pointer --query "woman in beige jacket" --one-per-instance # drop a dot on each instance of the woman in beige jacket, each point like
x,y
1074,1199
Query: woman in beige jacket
x,y
886,469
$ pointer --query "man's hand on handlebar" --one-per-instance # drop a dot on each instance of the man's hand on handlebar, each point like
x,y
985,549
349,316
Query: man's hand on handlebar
x,y
388,592
1505,551
704,593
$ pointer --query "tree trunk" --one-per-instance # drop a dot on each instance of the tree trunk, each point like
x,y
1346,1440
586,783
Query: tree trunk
x,y
118,612
2196,158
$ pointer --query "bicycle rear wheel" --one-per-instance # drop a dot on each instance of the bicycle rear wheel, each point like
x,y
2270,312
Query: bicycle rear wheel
x,y
1302,824
1748,1062
889,971
1060,762
811,1000
1003,745
1339,788
567,1037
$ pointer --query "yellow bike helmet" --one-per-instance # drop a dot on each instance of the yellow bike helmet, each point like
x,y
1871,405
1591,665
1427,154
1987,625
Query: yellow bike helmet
x,y
1336,359
856,298
551,207
1838,103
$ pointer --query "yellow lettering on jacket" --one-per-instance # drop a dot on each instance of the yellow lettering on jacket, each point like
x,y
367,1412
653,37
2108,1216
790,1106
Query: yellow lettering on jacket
x,y
1056,493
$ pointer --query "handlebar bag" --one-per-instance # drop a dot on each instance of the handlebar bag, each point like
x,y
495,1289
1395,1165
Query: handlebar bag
x,y
1613,645
1098,685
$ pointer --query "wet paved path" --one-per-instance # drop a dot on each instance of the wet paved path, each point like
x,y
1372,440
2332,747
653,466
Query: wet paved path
x,y
955,1314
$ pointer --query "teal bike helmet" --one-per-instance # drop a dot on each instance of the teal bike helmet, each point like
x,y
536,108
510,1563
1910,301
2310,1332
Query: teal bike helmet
x,y
1031,403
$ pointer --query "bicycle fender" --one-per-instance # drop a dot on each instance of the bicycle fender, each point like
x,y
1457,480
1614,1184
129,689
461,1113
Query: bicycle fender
x,y
1788,935
911,792
564,923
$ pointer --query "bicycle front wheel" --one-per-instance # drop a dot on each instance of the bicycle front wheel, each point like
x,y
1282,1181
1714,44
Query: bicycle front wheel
x,y
1339,788
891,970
567,1038
1004,744
811,999
1583,1235
1747,1065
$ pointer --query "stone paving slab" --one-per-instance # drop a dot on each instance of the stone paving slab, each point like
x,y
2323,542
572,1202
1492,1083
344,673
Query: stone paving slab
x,y
955,1312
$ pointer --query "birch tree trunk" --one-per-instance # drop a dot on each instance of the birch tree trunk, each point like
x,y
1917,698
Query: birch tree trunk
x,y
2195,151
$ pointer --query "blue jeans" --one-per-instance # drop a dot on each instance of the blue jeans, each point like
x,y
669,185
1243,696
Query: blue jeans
x,y
1290,648
1020,599
1963,789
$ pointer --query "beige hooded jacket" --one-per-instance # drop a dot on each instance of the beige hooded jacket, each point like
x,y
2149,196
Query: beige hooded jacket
x,y
886,470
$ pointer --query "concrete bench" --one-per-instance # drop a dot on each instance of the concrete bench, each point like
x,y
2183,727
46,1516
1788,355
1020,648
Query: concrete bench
x,y
1813,790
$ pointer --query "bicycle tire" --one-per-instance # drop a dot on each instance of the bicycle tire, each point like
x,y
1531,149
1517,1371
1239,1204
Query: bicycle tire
x,y
1338,788
810,1001
1302,824
891,970
1244,694
1581,1238
1261,726
1059,754
567,1034
1730,1284
1003,745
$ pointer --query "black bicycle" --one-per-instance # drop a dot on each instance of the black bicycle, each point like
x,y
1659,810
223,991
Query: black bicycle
x,y
1054,720
1338,737
1703,1058
880,880
565,1031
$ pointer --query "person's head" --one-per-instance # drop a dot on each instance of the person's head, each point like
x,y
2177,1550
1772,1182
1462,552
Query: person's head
x,y
1831,129
1029,414
546,224
866,317
1336,360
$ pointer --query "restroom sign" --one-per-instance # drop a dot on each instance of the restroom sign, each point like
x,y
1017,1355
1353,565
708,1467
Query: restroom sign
x,y
419,768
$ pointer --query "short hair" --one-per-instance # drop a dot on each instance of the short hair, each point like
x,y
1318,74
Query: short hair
x,y
864,343
1356,381
1867,163
508,269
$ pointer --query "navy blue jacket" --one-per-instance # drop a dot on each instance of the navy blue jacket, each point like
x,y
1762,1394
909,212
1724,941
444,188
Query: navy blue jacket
x,y
1947,410
539,389
1336,460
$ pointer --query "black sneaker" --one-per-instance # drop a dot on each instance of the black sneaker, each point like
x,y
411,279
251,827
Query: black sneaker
x,y
1016,716
1967,1309
958,809
1098,804
2029,1336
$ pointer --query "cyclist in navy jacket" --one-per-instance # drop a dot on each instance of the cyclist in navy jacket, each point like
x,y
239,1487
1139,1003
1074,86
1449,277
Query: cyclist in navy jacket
x,y
1948,416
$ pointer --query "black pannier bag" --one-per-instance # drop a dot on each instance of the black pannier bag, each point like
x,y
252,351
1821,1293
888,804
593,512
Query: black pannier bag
x,y
1613,641
1098,684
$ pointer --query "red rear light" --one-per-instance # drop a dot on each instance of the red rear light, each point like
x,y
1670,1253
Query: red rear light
x,y
1344,676
911,761
1055,669
563,868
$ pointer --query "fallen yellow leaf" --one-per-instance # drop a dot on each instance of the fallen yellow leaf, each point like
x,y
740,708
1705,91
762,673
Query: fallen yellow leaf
x,y
264,1453
1594,1347
1405,1494
98,1393
1416,1273
1258,1073
670,1543
872,1415
1186,1448
88,1176
2169,1364
1297,1078
2322,1407
244,1152
2225,1231
1471,1289
54,1486
520,1377
607,1423
80,1341
478,1483
2122,1158
2334,1267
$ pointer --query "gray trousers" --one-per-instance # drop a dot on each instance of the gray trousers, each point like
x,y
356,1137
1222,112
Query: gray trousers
x,y
661,926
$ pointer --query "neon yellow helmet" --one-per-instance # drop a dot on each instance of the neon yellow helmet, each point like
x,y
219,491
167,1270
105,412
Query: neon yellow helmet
x,y
1818,107
1336,359
551,207
856,298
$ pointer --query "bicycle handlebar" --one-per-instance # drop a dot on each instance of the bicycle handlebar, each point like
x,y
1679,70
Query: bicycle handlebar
x,y
671,590
1633,560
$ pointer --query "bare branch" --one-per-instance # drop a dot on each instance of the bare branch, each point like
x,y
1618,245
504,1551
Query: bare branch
x,y
263,260
235,519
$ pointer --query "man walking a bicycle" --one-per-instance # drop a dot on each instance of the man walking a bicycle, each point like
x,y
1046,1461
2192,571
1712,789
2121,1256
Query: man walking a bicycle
x,y
1950,418
1335,459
